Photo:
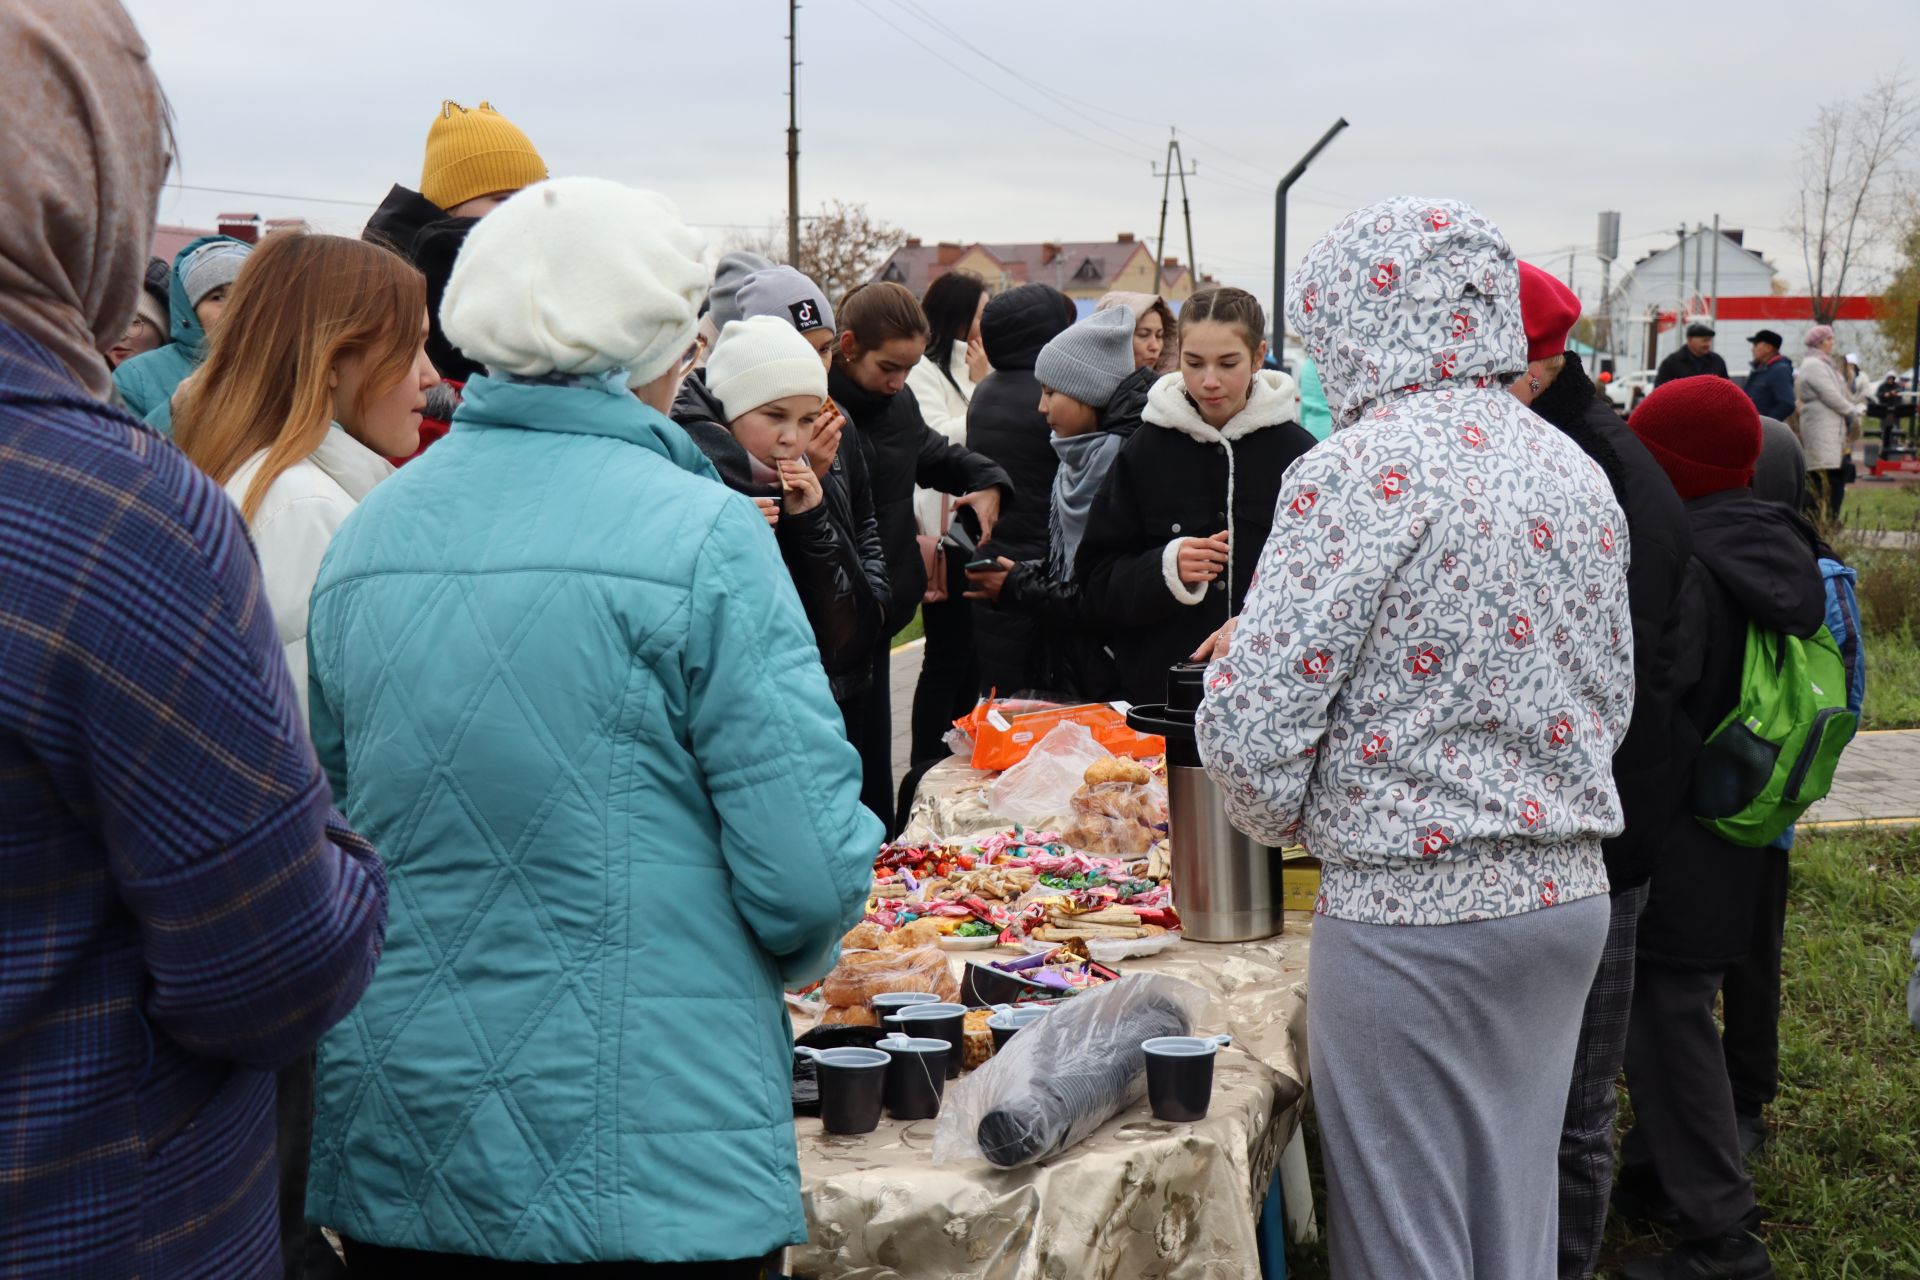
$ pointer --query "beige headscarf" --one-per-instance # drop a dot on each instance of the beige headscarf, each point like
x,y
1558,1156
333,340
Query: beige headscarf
x,y
1140,304
82,157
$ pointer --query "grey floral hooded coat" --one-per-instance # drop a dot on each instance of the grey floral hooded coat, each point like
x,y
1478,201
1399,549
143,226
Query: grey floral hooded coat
x,y
1435,662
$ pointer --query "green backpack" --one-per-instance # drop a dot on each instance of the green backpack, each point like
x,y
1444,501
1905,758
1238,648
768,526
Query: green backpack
x,y
1775,752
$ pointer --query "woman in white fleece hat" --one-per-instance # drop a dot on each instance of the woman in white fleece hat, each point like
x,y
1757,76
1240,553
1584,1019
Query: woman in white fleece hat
x,y
561,678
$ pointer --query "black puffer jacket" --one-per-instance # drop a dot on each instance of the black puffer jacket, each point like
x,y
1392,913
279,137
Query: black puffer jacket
x,y
1072,659
1661,541
1752,559
832,551
422,232
1179,478
898,450
1004,421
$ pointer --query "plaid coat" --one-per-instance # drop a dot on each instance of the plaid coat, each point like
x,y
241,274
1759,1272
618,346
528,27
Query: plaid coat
x,y
180,910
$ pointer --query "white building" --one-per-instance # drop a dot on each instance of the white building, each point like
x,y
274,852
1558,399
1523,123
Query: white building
x,y
1679,281
1677,284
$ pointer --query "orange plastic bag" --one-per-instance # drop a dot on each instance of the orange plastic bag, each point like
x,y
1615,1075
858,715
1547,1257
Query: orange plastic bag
x,y
1002,737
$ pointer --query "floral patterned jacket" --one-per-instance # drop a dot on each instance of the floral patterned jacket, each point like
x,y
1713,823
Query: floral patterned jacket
x,y
1435,663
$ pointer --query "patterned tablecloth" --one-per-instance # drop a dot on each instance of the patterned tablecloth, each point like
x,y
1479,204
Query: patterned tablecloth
x,y
1139,1200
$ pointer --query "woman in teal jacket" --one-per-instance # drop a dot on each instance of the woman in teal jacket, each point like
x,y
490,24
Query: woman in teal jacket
x,y
147,382
561,679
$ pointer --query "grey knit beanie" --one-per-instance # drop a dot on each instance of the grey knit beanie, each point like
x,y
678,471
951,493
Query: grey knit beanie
x,y
787,294
732,271
1090,360
213,264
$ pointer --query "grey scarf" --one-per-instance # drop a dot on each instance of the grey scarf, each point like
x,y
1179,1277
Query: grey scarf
x,y
1084,462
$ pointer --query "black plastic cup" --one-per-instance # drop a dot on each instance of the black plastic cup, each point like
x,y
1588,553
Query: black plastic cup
x,y
940,1021
1002,1025
852,1082
888,1002
917,1078
1180,1076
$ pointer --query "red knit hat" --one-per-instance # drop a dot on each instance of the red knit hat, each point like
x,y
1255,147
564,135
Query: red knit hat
x,y
1704,433
1548,309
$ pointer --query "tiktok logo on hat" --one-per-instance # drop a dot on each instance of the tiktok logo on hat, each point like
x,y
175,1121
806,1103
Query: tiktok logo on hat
x,y
806,315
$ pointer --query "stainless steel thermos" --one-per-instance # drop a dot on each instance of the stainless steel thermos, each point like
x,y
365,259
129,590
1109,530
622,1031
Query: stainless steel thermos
x,y
1226,885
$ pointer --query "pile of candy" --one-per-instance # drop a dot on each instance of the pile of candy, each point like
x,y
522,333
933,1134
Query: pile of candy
x,y
1020,884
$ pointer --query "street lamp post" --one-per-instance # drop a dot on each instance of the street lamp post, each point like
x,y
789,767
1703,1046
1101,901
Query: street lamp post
x,y
1280,235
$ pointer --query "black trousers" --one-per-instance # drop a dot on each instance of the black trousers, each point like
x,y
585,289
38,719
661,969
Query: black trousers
x,y
304,1251
1750,1003
1004,646
948,677
1826,489
1684,1140
1586,1135
869,721
381,1263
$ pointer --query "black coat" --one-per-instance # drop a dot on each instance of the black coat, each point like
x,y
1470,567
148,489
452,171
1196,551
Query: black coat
x,y
1004,421
832,552
899,450
1171,482
1660,539
1072,658
1684,364
422,232
1752,559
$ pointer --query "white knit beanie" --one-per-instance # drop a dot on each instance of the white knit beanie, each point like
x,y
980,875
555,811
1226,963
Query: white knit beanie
x,y
577,275
760,360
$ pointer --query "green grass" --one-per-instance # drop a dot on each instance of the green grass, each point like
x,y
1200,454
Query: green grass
x,y
1893,683
1838,1185
1882,506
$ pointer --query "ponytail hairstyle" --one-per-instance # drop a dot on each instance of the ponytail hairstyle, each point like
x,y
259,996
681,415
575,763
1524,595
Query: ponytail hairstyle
x,y
301,303
950,305
879,313
1235,308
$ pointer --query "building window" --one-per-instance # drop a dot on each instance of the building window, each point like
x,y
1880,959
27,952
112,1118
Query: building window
x,y
1089,270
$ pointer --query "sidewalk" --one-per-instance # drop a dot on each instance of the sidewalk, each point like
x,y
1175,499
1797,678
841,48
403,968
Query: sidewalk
x,y
1878,782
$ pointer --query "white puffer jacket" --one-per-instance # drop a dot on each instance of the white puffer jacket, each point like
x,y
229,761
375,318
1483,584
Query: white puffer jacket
x,y
1827,410
1434,665
302,510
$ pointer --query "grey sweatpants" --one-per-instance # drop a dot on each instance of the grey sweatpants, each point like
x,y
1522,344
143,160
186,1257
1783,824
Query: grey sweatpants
x,y
1441,1058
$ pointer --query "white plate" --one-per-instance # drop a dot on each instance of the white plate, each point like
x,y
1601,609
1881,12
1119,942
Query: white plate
x,y
949,943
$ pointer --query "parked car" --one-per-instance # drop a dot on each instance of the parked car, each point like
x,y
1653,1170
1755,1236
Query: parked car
x,y
1627,390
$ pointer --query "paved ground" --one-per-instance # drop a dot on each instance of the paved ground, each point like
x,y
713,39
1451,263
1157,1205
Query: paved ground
x,y
1878,781
906,674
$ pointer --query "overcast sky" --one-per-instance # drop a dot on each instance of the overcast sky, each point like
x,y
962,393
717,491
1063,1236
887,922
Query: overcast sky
x,y
1540,114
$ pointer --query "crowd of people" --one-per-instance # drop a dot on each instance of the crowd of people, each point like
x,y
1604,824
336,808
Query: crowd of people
x,y
444,702
1823,402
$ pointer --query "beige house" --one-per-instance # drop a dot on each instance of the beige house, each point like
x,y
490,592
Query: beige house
x,y
1081,269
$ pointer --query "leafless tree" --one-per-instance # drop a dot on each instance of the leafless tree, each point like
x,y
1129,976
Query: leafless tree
x,y
841,245
1853,166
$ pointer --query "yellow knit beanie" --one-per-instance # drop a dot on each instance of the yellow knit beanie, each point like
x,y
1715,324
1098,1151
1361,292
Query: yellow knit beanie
x,y
476,153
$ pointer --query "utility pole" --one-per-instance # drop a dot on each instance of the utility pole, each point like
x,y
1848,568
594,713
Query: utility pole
x,y
793,133
1714,288
1607,248
1680,307
1176,167
1280,235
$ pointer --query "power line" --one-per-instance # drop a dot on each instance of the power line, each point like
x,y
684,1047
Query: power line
x,y
996,90
289,198
1040,87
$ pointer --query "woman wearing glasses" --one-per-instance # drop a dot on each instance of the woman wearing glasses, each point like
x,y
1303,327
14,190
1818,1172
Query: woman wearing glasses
x,y
563,676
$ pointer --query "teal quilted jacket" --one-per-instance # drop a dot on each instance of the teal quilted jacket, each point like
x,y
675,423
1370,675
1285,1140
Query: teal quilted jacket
x,y
561,680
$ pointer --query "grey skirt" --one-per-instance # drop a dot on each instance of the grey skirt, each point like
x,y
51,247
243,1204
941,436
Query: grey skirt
x,y
1441,1057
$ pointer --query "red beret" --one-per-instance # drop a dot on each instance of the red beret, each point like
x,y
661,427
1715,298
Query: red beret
x,y
1548,309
